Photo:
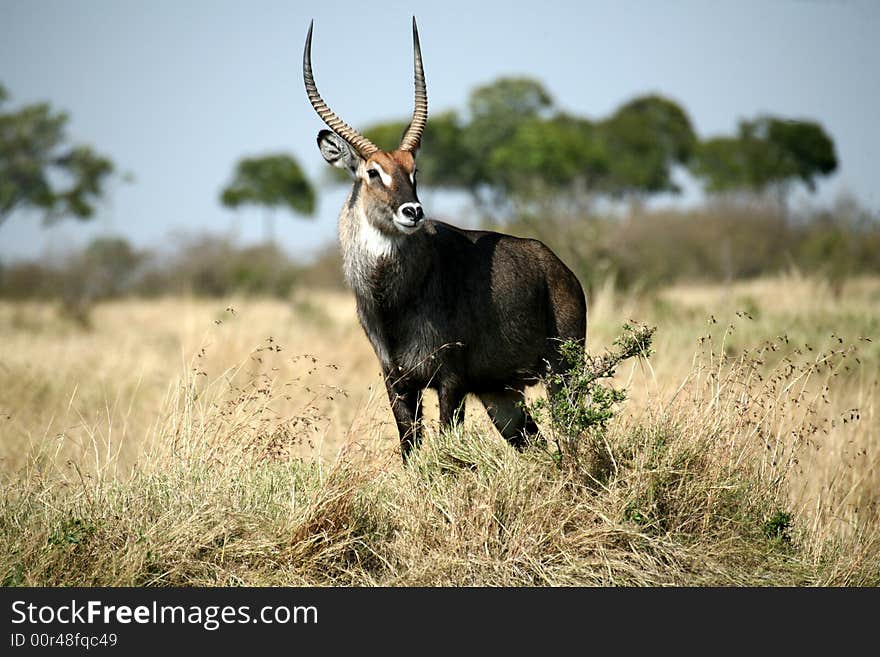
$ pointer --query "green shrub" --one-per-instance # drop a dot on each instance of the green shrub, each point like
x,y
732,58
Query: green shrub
x,y
579,404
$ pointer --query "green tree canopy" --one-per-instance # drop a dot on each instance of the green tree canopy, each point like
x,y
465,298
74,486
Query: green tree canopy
x,y
456,153
42,170
514,97
551,154
271,181
804,146
515,145
644,139
497,111
723,164
767,153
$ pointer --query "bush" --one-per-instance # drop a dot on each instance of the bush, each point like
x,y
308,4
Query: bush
x,y
721,241
214,267
579,405
110,268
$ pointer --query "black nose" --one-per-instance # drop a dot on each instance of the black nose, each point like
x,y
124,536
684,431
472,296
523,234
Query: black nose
x,y
413,212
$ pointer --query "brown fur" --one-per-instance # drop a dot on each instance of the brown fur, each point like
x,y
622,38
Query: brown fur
x,y
455,310
458,311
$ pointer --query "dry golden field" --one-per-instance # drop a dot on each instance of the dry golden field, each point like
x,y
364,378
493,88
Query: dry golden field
x,y
193,441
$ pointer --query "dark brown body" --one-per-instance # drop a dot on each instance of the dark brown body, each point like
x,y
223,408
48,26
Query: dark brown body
x,y
463,311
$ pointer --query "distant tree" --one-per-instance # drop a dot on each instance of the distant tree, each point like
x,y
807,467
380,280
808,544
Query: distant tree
x,y
40,169
517,149
723,164
512,96
272,182
456,153
644,139
106,268
497,111
555,157
768,154
514,153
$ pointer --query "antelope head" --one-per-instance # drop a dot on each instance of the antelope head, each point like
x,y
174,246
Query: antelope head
x,y
384,182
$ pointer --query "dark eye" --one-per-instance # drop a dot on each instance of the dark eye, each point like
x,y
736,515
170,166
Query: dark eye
x,y
373,174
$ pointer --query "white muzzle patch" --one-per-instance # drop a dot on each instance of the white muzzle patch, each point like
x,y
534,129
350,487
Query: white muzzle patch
x,y
408,217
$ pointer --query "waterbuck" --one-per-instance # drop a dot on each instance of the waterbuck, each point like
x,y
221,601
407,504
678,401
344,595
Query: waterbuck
x,y
458,311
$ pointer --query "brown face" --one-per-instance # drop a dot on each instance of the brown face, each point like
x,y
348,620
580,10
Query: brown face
x,y
389,189
385,181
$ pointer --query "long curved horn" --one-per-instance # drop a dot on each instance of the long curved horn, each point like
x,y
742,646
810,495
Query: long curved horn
x,y
413,135
360,143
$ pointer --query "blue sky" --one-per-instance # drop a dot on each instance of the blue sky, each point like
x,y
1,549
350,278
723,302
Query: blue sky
x,y
176,92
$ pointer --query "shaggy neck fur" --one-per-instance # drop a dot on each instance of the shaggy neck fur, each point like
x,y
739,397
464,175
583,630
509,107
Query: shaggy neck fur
x,y
382,266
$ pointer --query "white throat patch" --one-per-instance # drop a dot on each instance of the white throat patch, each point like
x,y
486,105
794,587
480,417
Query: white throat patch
x,y
373,241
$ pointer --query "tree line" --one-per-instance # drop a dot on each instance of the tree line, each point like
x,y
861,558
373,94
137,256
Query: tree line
x,y
513,146
521,160
509,149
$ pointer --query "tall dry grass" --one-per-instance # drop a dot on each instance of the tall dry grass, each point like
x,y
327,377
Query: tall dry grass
x,y
249,442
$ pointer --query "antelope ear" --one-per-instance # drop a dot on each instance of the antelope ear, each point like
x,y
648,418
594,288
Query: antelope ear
x,y
338,152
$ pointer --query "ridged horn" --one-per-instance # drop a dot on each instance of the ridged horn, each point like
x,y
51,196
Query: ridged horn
x,y
360,143
413,135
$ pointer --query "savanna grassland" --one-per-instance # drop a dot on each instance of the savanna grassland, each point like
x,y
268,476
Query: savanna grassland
x,y
186,441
